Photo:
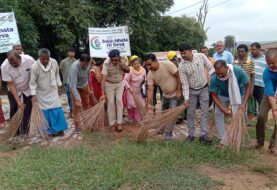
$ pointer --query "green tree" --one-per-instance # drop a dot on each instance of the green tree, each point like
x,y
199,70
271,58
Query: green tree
x,y
230,43
28,32
171,31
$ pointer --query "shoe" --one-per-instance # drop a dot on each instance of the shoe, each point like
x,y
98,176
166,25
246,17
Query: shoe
x,y
119,128
160,131
205,140
190,138
78,130
256,146
168,136
272,150
219,146
70,115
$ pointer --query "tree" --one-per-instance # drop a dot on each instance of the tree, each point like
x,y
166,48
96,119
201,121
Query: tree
x,y
230,43
202,14
28,32
171,31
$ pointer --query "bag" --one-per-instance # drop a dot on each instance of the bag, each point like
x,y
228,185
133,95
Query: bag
x,y
144,90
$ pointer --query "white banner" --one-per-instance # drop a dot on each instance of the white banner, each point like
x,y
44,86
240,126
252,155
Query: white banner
x,y
103,40
8,32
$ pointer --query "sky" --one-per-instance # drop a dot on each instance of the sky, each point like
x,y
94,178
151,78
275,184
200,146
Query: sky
x,y
247,20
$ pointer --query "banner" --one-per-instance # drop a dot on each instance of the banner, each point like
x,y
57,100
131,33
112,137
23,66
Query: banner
x,y
8,32
103,40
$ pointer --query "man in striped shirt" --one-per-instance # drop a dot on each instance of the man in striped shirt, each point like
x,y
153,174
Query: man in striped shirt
x,y
248,66
260,64
195,88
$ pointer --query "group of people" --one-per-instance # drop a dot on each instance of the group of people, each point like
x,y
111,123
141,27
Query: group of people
x,y
194,80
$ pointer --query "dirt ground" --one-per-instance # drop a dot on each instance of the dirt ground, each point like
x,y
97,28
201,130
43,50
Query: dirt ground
x,y
232,179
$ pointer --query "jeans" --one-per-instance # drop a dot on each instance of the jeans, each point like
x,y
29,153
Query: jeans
x,y
168,103
67,89
201,96
261,120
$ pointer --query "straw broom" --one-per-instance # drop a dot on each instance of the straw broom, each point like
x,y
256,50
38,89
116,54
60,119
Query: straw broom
x,y
93,118
141,109
14,125
158,119
38,123
236,132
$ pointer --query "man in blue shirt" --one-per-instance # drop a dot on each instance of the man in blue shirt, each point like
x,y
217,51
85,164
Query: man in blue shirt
x,y
222,54
236,94
268,102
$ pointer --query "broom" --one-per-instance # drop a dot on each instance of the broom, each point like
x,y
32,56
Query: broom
x,y
93,118
14,125
236,132
158,119
38,123
141,109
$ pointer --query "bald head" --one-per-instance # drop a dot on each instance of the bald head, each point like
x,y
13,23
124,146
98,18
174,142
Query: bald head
x,y
219,46
271,59
14,58
18,48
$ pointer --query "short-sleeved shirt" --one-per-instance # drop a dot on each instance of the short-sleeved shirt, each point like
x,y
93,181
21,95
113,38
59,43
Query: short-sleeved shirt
x,y
164,77
225,55
114,73
221,87
65,68
78,77
19,75
270,81
260,65
248,66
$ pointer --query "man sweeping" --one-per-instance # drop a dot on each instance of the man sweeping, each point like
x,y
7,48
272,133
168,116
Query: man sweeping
x,y
268,102
230,86
44,83
16,72
78,84
195,89
164,74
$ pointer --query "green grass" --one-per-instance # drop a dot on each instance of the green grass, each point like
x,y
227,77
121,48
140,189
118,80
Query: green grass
x,y
102,163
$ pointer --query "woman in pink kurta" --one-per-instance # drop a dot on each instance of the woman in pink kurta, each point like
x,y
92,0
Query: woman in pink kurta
x,y
134,81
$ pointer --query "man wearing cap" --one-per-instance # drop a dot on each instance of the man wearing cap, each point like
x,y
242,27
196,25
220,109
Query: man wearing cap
x,y
112,85
172,56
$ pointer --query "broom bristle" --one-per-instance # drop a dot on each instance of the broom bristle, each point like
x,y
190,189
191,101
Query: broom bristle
x,y
93,119
236,132
38,123
158,119
141,109
14,125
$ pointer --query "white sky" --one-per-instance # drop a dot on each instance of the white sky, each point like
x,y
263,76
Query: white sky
x,y
247,20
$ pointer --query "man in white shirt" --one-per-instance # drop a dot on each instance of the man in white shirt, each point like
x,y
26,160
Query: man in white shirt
x,y
45,82
16,72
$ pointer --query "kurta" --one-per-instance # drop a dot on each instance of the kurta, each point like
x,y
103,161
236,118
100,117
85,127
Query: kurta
x,y
40,84
44,84
134,81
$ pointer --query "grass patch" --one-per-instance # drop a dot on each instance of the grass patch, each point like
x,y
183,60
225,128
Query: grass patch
x,y
103,163
263,169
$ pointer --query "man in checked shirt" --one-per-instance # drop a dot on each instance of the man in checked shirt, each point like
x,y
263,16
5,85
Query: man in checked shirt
x,y
195,88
